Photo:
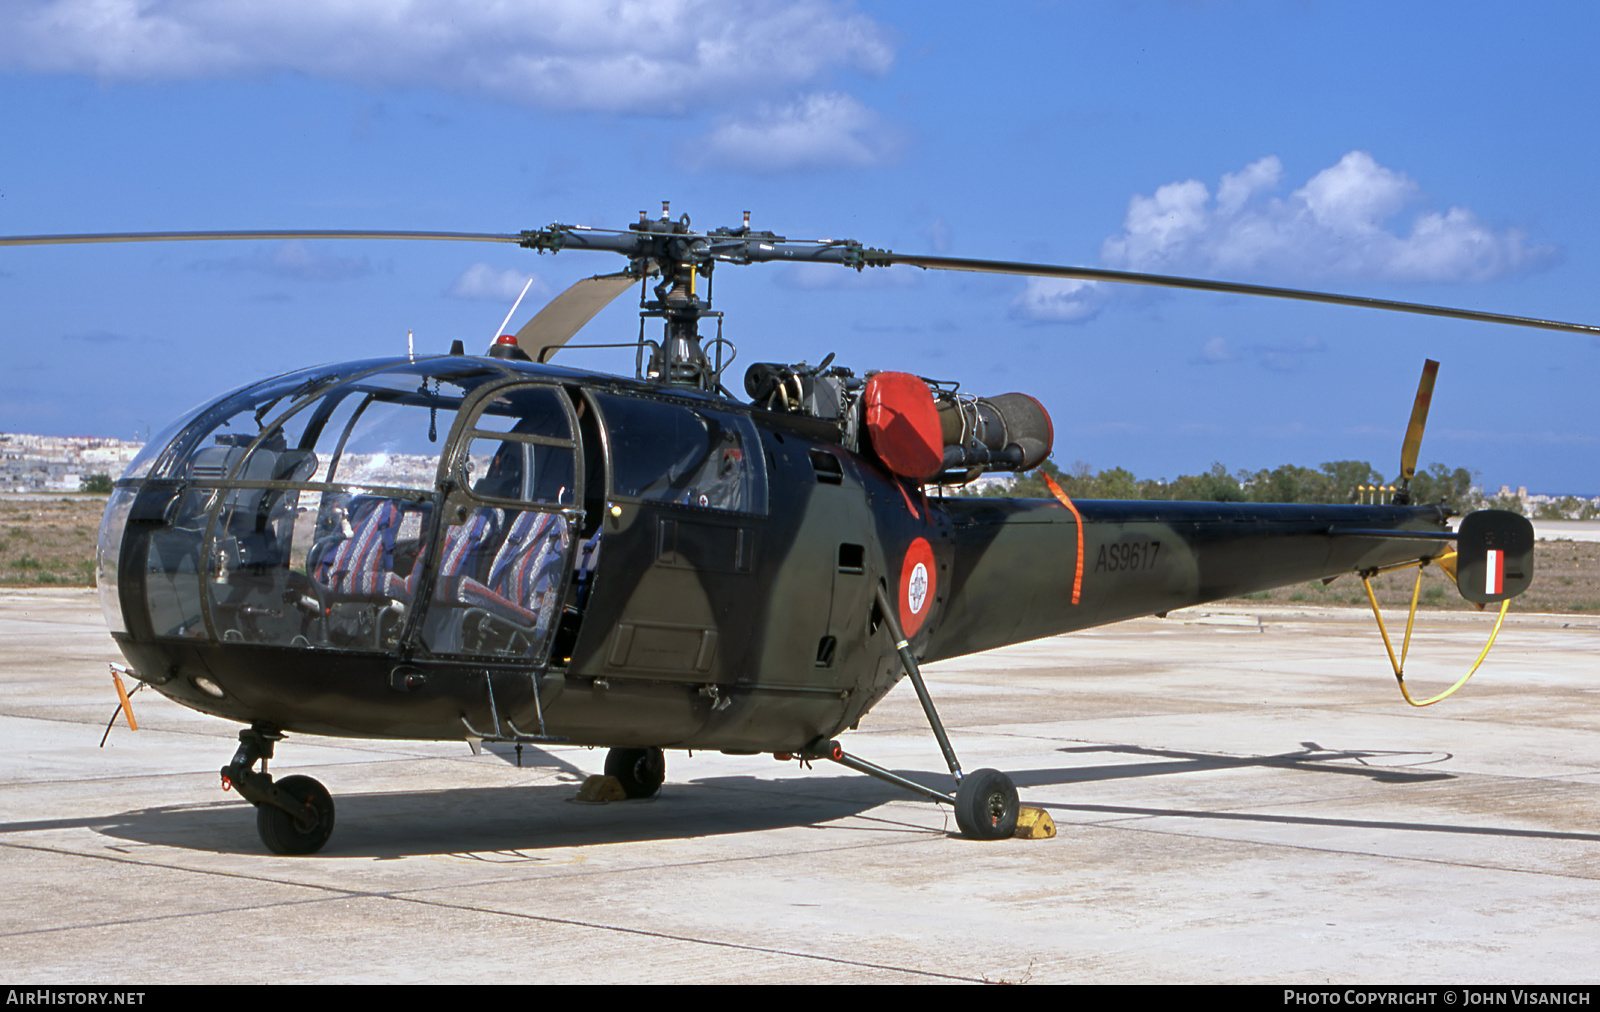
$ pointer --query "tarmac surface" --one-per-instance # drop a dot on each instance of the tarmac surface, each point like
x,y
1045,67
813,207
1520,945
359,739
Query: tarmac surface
x,y
1567,530
1241,795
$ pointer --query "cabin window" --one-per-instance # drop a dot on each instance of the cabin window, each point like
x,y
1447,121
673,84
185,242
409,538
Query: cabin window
x,y
672,453
521,448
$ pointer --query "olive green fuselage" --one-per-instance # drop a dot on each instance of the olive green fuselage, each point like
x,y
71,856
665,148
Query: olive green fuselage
x,y
749,627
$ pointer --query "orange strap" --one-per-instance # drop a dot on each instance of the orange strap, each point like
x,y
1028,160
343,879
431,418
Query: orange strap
x,y
1077,576
122,696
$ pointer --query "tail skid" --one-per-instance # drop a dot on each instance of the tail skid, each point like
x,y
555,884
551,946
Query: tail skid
x,y
1492,561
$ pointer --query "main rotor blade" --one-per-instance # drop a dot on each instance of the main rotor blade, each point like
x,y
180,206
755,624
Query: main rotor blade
x,y
89,237
1419,420
881,258
564,315
637,244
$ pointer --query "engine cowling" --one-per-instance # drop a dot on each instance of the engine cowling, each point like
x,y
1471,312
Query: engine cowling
x,y
921,432
1009,432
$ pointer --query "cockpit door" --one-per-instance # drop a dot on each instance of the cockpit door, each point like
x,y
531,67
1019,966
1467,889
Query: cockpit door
x,y
688,515
502,575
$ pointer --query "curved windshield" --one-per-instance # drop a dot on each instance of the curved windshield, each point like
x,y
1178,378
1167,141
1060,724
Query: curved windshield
x,y
352,508
142,463
307,506
233,420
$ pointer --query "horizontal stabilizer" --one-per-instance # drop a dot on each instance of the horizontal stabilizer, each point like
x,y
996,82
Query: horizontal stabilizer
x,y
1494,556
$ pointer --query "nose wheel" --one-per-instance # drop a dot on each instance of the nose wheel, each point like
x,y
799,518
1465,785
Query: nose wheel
x,y
293,815
297,832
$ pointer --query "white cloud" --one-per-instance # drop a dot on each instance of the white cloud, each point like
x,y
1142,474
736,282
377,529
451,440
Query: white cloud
x,y
1058,300
1216,352
1340,224
816,131
294,261
480,281
1287,356
631,56
1283,356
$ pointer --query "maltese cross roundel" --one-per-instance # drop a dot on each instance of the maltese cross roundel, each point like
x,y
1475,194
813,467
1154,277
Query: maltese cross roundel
x,y
917,586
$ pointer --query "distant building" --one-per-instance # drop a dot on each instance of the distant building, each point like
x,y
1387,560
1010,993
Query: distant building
x,y
33,463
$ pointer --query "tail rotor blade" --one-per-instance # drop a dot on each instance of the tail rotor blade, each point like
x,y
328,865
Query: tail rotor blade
x,y
1419,421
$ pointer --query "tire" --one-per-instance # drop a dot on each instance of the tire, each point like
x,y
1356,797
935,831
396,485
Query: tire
x,y
280,831
986,806
640,771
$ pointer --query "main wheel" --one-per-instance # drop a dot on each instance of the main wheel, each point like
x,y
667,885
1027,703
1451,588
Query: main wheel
x,y
284,833
986,805
640,771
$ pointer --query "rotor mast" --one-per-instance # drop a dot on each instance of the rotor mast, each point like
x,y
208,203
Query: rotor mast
x,y
662,247
679,360
681,256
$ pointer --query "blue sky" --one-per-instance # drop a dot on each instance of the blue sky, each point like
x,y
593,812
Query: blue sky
x,y
1438,153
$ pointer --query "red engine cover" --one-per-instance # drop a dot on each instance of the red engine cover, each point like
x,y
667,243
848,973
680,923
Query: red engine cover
x,y
904,425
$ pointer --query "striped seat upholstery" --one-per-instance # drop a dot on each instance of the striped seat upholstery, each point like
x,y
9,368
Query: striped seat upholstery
x,y
466,546
362,565
525,578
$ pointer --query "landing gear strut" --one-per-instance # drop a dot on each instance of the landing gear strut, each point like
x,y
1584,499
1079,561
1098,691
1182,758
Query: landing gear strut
x,y
985,801
294,815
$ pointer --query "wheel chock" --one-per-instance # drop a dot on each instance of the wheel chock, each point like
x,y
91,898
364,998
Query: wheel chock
x,y
1034,824
599,789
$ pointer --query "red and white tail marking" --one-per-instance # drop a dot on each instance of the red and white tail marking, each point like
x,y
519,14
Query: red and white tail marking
x,y
1494,572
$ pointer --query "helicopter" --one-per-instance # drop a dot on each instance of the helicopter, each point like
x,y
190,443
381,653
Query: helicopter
x,y
493,548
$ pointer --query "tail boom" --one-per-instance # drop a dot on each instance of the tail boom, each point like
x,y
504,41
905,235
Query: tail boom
x,y
1016,559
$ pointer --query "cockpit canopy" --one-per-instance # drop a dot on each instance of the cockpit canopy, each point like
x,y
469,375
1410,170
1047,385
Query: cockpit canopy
x,y
450,503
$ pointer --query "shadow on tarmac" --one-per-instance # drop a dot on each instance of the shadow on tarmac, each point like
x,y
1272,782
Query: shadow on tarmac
x,y
391,825
519,822
1311,758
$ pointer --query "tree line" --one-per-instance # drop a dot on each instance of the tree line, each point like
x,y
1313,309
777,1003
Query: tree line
x,y
1338,481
